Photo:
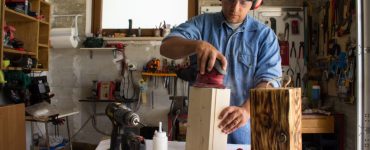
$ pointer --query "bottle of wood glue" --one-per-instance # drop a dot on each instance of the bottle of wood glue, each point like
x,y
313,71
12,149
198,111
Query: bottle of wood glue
x,y
160,139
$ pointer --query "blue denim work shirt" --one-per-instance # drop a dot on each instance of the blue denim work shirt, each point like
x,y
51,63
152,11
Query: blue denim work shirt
x,y
252,52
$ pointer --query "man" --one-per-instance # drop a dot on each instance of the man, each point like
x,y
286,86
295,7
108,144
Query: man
x,y
248,49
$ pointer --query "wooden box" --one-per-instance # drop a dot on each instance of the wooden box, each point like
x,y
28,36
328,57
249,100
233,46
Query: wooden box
x,y
276,119
205,105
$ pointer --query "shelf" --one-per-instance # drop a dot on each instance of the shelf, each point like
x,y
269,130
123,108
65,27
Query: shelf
x,y
39,69
159,74
19,68
44,22
13,16
43,45
6,50
13,68
98,49
134,39
99,101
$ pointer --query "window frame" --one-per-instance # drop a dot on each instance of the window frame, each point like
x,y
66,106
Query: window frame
x,y
97,7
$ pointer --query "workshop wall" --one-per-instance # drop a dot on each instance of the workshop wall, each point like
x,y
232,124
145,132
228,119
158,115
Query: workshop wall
x,y
342,103
71,73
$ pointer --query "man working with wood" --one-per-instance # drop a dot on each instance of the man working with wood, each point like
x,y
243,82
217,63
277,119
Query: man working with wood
x,y
246,48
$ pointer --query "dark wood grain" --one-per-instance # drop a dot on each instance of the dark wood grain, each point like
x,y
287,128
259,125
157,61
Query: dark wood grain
x,y
276,119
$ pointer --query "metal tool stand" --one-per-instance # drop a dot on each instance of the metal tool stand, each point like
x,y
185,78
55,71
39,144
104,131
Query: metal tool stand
x,y
46,121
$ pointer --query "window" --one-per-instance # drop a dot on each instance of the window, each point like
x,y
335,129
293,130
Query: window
x,y
97,13
144,13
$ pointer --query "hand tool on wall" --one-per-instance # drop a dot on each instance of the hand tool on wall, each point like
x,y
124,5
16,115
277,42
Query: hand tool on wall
x,y
284,52
295,27
298,80
339,14
143,85
286,32
348,20
326,21
273,24
298,71
336,49
293,50
301,50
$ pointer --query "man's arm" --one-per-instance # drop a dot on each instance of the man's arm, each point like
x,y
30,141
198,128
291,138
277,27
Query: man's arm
x,y
234,117
177,47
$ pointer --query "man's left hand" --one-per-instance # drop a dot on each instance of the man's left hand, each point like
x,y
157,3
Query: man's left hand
x,y
232,118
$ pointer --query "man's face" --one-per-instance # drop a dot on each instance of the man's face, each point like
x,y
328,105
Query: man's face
x,y
235,11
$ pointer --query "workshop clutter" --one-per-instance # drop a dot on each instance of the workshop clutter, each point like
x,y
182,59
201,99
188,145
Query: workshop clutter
x,y
23,6
9,38
104,90
155,66
93,42
20,88
161,30
10,41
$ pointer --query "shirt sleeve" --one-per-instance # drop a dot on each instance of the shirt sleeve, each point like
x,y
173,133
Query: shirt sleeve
x,y
191,29
269,60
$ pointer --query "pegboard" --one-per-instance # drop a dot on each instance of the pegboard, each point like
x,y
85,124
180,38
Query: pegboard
x,y
265,13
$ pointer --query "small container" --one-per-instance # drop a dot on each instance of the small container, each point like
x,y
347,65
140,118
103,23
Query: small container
x,y
160,141
315,95
157,32
139,32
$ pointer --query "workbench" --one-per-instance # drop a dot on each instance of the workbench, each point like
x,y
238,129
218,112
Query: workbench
x,y
172,145
311,124
323,125
314,123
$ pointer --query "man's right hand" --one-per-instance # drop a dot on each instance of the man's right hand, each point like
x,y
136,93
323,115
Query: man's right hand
x,y
207,55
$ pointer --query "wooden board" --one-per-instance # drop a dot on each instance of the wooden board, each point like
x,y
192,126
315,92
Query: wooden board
x,y
205,105
12,127
276,119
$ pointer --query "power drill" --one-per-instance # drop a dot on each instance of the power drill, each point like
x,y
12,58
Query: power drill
x,y
123,119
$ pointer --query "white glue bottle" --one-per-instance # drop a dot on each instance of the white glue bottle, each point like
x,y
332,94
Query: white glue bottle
x,y
160,139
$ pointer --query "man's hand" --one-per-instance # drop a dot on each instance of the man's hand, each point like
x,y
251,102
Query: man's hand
x,y
232,118
207,55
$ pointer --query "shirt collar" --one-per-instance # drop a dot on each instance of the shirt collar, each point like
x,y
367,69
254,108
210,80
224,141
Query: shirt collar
x,y
247,24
